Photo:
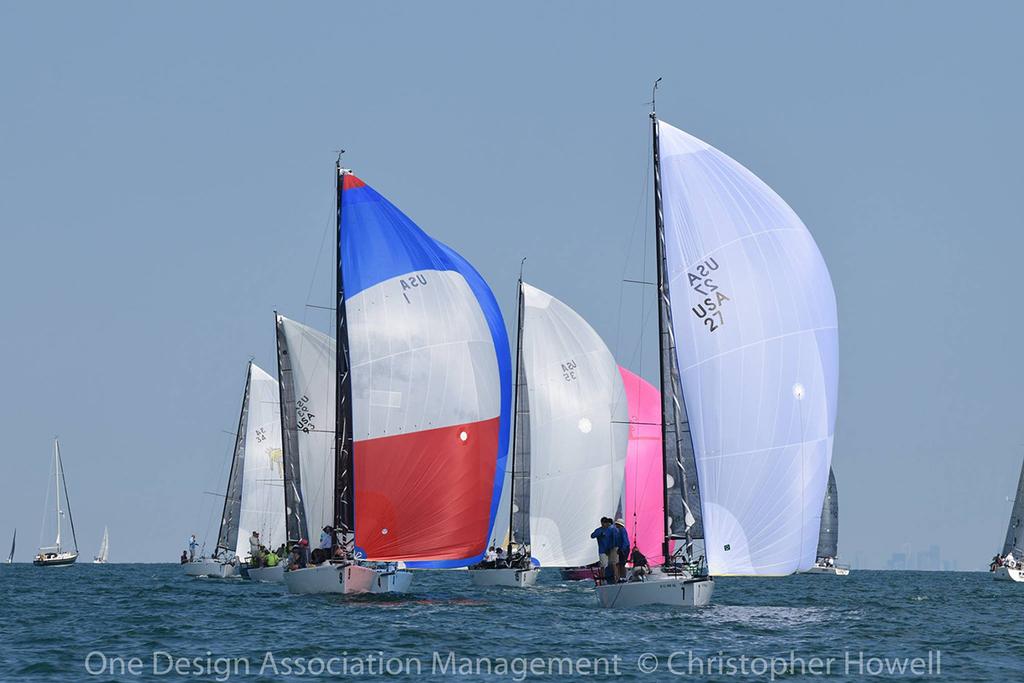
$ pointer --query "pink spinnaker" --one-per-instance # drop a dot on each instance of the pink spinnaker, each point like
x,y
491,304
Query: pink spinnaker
x,y
645,516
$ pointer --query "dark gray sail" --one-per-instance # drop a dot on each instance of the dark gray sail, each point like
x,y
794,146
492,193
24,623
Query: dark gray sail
x,y
521,466
828,532
1015,529
294,516
227,539
682,493
14,540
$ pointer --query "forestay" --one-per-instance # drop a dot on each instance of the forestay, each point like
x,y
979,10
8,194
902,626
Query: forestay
x,y
430,387
756,337
262,507
578,430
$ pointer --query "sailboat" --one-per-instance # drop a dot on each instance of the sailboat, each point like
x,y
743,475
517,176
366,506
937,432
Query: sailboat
x,y
421,389
828,534
1009,565
57,555
569,443
253,499
14,540
101,556
748,342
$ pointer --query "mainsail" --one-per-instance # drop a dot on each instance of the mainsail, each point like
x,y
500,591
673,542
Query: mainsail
x,y
426,383
14,540
755,335
227,536
1015,529
644,506
262,499
578,430
306,368
828,533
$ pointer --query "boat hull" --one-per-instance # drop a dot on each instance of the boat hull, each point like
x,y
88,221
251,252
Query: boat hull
x,y
510,577
579,573
58,560
267,574
832,571
392,581
658,589
213,569
1007,574
331,578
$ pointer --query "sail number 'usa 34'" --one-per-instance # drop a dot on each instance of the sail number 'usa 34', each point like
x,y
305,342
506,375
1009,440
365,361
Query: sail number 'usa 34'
x,y
702,282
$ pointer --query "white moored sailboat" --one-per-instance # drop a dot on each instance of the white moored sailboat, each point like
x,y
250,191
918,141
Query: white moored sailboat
x,y
828,534
748,374
253,500
57,555
413,399
101,556
569,444
1009,565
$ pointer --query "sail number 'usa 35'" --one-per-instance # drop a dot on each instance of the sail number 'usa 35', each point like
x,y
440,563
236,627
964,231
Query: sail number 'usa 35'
x,y
702,282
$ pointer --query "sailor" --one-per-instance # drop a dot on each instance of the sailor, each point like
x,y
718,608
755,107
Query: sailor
x,y
603,534
491,555
192,545
271,559
622,548
326,537
298,559
499,554
254,549
184,557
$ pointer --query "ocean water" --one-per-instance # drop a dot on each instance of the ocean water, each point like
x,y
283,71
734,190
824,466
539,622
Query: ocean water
x,y
149,622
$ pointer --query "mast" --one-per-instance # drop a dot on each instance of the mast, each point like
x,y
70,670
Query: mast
x,y
344,484
71,519
515,406
56,484
659,233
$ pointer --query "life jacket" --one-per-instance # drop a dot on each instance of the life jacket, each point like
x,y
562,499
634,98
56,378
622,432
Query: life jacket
x,y
271,560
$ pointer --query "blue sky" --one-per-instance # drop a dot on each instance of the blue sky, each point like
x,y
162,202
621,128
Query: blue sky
x,y
165,184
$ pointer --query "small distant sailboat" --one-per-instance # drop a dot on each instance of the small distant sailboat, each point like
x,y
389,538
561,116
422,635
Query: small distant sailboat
x,y
14,540
101,556
569,443
1009,565
828,534
253,499
56,555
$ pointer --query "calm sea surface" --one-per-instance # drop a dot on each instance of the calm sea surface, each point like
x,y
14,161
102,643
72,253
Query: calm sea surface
x,y
971,626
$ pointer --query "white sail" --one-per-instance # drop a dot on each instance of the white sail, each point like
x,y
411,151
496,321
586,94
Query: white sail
x,y
578,430
754,318
262,507
312,358
101,556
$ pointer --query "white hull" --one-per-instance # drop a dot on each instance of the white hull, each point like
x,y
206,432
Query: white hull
x,y
267,574
658,589
1007,574
834,571
515,578
331,578
214,569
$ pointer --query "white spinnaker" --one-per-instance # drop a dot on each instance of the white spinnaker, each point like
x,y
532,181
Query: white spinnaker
x,y
262,507
422,356
578,430
312,360
754,316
